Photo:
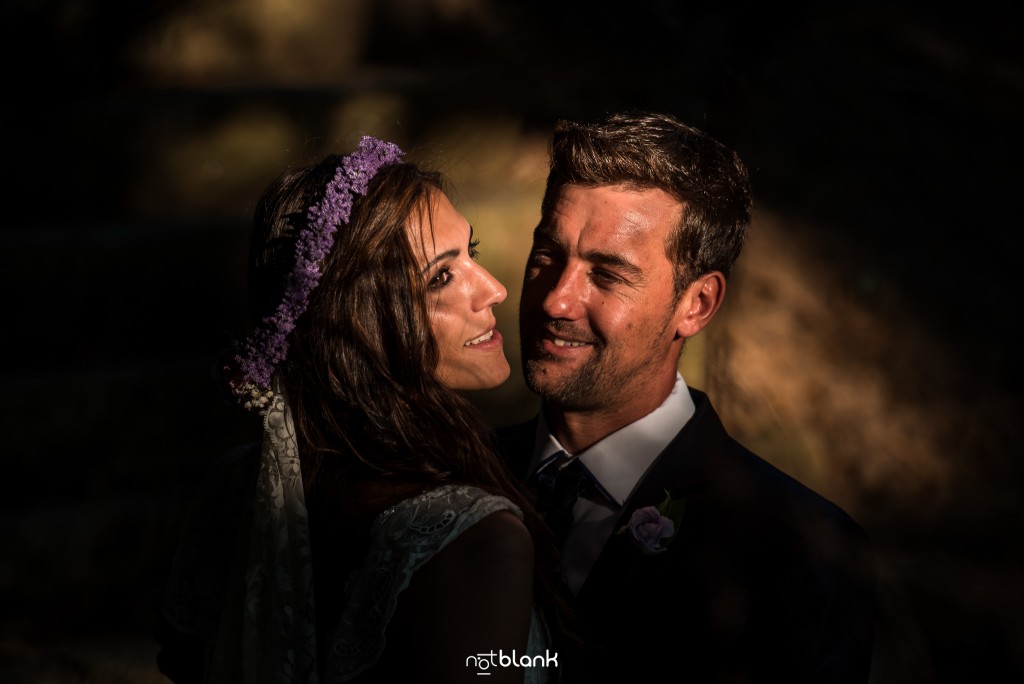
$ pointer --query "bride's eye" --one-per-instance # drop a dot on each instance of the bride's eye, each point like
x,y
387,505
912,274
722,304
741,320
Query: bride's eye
x,y
473,251
440,279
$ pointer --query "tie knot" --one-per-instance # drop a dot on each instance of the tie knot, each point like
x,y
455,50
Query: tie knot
x,y
560,473
558,488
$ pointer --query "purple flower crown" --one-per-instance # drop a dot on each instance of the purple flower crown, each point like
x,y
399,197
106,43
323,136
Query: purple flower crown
x,y
267,346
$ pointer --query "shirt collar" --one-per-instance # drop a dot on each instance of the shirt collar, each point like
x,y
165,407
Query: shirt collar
x,y
619,460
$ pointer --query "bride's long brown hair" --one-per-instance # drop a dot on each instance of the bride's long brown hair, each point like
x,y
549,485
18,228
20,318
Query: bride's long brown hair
x,y
373,422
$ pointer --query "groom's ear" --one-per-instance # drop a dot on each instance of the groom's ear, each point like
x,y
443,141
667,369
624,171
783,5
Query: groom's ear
x,y
699,303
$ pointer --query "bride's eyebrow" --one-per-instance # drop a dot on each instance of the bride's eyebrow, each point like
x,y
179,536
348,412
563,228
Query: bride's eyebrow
x,y
449,254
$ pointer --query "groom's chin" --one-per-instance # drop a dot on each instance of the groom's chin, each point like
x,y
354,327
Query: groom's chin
x,y
535,373
547,379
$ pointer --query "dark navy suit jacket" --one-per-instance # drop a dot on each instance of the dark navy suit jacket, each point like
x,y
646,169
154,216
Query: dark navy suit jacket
x,y
764,580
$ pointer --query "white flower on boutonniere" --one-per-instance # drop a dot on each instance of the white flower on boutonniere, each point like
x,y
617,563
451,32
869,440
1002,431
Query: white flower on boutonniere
x,y
651,528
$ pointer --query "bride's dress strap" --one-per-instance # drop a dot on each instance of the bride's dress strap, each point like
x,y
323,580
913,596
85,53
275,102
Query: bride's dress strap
x,y
404,538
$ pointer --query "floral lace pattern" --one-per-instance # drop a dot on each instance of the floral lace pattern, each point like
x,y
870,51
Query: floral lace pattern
x,y
261,630
279,636
250,521
405,537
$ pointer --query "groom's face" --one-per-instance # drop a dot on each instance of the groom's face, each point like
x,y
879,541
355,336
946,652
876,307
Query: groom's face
x,y
598,313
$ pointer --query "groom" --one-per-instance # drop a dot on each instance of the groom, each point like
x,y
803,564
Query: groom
x,y
688,558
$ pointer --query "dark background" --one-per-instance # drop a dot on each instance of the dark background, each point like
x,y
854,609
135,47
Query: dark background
x,y
888,136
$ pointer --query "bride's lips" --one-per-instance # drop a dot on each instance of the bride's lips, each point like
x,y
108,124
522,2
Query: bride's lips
x,y
486,341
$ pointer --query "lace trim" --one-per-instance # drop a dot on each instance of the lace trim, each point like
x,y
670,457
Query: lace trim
x,y
279,635
405,537
262,629
243,575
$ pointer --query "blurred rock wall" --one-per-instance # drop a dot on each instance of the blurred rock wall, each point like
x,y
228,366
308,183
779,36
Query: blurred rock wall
x,y
868,344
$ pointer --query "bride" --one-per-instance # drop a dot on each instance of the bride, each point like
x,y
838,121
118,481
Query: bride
x,y
373,534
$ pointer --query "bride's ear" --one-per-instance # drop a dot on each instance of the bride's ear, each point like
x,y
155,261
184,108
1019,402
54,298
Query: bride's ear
x,y
699,303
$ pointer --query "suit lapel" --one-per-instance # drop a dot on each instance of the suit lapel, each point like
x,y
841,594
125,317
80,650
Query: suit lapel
x,y
685,465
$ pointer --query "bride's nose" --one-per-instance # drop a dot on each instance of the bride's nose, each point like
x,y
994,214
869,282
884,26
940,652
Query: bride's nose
x,y
490,291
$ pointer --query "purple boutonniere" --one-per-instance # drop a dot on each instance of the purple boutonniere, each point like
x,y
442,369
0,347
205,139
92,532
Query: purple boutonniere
x,y
651,528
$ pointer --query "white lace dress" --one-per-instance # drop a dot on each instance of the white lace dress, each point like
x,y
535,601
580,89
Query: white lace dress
x,y
242,580
405,537
251,601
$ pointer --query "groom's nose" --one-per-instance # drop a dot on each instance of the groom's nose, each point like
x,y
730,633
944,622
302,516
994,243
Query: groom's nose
x,y
565,298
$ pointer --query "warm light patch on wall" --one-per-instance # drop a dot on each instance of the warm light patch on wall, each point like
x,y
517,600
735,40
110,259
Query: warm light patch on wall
x,y
814,366
216,171
254,42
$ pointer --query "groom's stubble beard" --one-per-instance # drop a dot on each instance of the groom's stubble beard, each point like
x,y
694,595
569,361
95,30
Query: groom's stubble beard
x,y
567,390
590,386
580,390
598,383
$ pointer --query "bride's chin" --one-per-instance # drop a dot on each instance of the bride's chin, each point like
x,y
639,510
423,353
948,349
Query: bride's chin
x,y
503,374
490,376
495,378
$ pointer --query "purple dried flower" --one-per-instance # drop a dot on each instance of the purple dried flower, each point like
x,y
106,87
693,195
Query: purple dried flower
x,y
268,345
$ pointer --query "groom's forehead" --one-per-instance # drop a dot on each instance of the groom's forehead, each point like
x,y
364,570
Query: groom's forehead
x,y
605,215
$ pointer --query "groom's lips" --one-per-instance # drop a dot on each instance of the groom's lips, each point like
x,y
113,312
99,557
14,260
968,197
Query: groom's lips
x,y
562,343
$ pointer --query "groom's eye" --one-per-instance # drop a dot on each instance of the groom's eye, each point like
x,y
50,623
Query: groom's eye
x,y
539,257
603,277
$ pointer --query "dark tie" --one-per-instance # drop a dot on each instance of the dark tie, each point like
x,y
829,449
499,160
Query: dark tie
x,y
558,487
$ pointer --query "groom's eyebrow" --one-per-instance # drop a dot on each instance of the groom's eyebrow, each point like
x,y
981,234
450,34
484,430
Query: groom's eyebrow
x,y
615,261
545,235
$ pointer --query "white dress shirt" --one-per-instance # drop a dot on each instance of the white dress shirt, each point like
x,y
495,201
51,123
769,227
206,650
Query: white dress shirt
x,y
617,464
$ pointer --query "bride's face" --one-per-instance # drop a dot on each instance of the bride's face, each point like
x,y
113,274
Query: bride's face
x,y
461,295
